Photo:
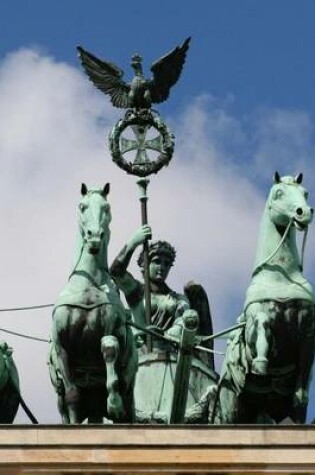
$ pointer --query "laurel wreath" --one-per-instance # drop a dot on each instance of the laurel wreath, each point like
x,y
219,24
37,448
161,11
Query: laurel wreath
x,y
142,118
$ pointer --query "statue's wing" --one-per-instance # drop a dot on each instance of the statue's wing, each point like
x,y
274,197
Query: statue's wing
x,y
198,301
166,72
105,76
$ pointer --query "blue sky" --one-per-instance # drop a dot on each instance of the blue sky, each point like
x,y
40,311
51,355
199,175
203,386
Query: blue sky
x,y
261,52
244,107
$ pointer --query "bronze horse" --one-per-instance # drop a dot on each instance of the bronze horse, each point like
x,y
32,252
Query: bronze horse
x,y
267,368
93,361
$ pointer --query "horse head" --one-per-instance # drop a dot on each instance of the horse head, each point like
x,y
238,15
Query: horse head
x,y
94,217
287,202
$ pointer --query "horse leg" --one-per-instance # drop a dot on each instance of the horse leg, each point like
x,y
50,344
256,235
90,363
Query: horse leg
x,y
62,407
110,350
262,344
57,382
129,360
71,397
305,363
300,398
57,364
227,406
69,403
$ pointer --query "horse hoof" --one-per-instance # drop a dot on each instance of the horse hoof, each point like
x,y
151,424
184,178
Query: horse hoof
x,y
115,408
260,366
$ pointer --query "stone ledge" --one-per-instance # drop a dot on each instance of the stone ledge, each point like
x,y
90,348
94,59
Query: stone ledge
x,y
156,449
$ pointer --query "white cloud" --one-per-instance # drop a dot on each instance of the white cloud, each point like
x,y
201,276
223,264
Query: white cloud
x,y
52,139
283,138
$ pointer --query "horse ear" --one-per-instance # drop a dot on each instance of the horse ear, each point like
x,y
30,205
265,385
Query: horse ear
x,y
276,177
84,189
105,190
299,178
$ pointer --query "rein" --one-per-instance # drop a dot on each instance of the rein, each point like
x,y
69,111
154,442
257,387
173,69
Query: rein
x,y
285,234
265,261
303,246
77,263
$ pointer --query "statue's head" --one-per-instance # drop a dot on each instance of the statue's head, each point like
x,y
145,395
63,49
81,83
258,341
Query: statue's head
x,y
136,63
158,248
161,257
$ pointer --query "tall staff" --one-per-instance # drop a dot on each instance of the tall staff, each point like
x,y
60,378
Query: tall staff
x,y
143,184
141,122
137,97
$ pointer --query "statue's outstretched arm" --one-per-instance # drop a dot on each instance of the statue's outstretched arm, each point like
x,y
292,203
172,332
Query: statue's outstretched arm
x,y
121,262
131,287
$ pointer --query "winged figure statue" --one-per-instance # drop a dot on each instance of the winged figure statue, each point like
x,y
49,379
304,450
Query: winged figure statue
x,y
140,93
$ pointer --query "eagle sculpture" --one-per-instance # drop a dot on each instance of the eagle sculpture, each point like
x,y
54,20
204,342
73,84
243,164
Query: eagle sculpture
x,y
141,92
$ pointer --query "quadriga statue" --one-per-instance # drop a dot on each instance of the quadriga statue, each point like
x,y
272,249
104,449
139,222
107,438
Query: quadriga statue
x,y
93,361
267,368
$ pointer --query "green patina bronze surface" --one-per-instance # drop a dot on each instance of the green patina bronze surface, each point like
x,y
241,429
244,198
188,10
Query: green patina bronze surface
x,y
183,366
93,361
167,305
9,385
153,303
141,93
267,369
137,97
141,122
169,310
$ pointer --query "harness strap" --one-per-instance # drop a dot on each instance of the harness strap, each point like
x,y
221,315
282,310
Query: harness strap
x,y
77,263
265,261
303,247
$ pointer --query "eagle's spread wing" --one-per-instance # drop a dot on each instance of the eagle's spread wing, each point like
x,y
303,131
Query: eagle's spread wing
x,y
166,72
106,77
